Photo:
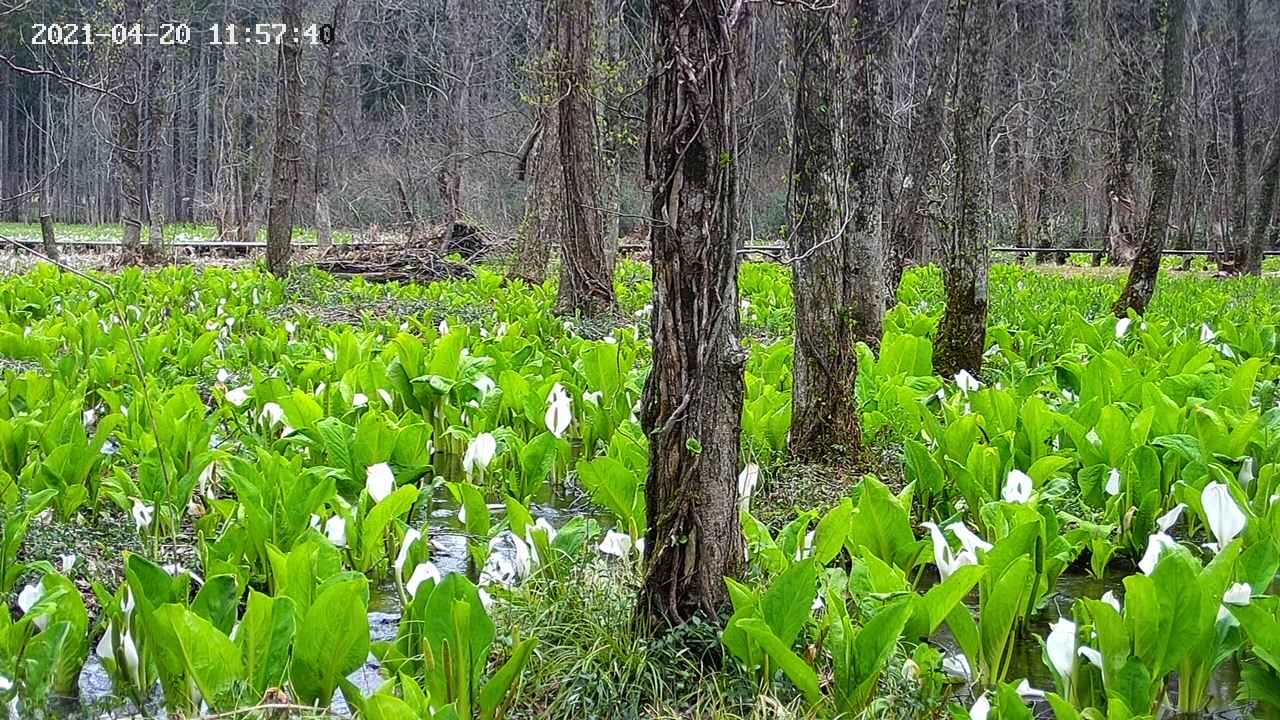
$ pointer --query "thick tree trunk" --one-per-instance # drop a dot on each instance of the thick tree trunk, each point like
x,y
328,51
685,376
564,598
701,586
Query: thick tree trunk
x,y
322,179
837,265
586,264
156,112
966,244
126,106
288,146
1146,266
1248,256
1122,151
693,397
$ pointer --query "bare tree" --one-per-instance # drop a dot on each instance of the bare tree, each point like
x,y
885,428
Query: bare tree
x,y
126,104
538,160
837,265
1248,255
692,405
323,172
966,244
586,263
288,143
1146,265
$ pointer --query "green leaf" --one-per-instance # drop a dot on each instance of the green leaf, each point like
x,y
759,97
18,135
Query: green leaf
x,y
803,676
265,635
333,641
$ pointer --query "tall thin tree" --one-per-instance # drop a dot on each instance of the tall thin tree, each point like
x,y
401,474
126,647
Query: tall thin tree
x,y
322,175
837,268
692,405
288,143
1164,171
586,264
966,243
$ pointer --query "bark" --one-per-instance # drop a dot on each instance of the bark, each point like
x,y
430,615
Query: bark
x,y
540,166
966,243
156,111
1146,266
449,174
288,146
126,104
905,234
1248,255
322,179
693,396
586,263
49,242
1266,198
837,266
1122,151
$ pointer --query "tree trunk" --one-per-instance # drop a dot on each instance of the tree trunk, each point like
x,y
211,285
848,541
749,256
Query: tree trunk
x,y
966,243
126,104
1266,199
324,119
1248,256
456,49
49,241
904,242
586,264
156,110
693,397
1146,266
288,146
1122,152
837,265
540,165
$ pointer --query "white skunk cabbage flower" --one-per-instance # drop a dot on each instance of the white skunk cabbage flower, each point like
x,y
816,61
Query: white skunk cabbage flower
x,y
981,708
1169,519
67,562
1017,487
1113,482
1156,545
28,598
559,414
1206,333
943,557
359,400
410,537
379,481
617,544
479,453
747,480
336,529
1225,519
1122,326
969,540
1245,476
966,382
142,513
1110,598
271,414
423,572
1060,646
485,384
239,396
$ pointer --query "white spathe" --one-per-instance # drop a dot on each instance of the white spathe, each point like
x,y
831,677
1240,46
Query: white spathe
x,y
336,530
1017,487
943,557
28,598
616,544
479,453
239,396
966,382
747,480
142,513
1060,646
410,537
1113,482
969,540
1225,519
559,414
379,481
1156,545
1169,519
1122,326
423,572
